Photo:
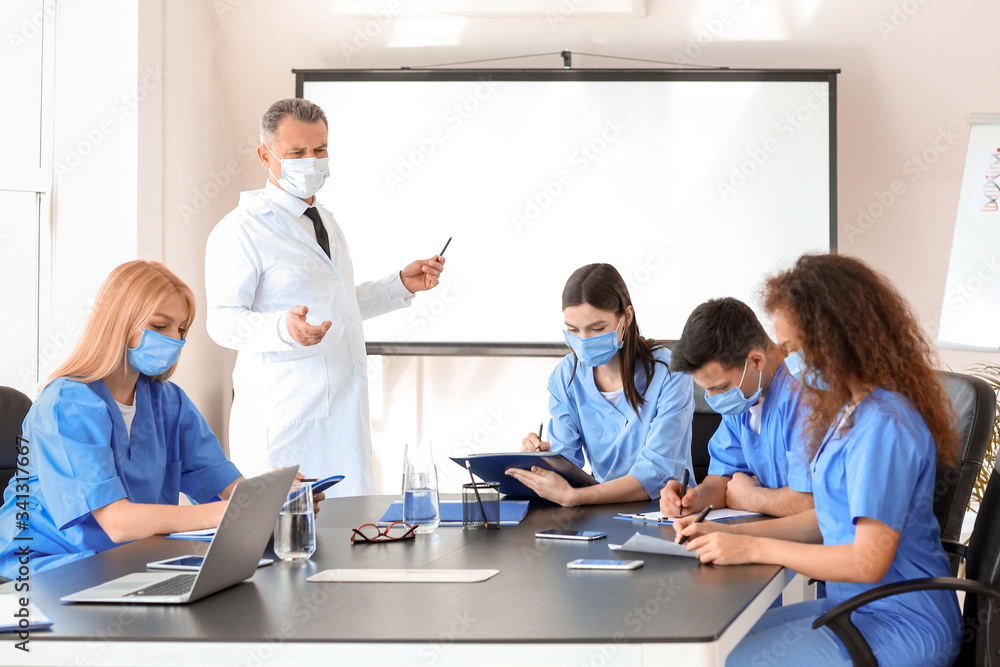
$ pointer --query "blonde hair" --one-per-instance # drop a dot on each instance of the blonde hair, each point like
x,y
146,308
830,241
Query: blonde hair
x,y
129,296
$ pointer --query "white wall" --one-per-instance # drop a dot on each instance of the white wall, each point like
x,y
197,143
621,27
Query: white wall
x,y
99,95
911,70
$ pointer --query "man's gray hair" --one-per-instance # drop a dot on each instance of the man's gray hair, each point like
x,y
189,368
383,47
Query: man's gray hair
x,y
297,108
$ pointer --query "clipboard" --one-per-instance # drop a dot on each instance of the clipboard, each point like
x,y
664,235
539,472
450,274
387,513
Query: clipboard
x,y
491,467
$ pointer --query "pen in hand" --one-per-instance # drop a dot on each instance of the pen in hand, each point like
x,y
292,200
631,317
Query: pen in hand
x,y
441,254
701,517
684,490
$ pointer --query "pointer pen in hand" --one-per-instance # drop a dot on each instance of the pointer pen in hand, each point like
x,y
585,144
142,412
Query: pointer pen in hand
x,y
701,517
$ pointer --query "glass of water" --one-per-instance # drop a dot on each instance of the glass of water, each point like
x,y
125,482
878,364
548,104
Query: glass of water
x,y
295,532
420,488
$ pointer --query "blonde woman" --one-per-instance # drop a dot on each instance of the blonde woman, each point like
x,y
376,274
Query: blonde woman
x,y
110,443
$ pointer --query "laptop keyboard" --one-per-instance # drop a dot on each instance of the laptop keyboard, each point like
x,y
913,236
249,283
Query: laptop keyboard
x,y
178,585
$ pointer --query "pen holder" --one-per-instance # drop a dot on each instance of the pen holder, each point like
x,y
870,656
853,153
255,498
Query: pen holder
x,y
472,512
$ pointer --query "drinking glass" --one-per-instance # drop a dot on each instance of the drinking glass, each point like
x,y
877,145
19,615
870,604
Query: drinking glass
x,y
420,488
295,531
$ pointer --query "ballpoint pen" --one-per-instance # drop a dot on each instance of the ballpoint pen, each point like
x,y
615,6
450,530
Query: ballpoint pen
x,y
684,490
475,489
701,517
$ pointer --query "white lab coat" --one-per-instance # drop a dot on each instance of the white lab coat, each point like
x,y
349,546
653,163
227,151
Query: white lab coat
x,y
293,404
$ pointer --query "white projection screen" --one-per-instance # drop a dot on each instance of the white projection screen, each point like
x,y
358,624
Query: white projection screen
x,y
693,184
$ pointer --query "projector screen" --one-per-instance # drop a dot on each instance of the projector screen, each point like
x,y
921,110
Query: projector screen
x,y
693,184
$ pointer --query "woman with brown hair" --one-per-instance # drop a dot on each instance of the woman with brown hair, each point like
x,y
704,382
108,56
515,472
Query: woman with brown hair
x,y
879,422
613,400
110,443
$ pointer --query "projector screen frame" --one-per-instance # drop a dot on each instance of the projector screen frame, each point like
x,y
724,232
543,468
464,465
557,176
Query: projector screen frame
x,y
827,76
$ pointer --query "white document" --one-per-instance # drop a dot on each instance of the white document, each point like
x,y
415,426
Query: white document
x,y
404,576
652,545
11,615
714,515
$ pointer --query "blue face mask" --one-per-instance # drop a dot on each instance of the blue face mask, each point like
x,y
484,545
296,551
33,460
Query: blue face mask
x,y
302,177
597,350
733,402
155,354
803,372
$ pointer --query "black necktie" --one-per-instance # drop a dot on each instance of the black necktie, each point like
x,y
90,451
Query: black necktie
x,y
321,236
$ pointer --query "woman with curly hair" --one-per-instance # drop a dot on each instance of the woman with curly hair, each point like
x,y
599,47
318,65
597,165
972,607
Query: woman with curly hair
x,y
879,422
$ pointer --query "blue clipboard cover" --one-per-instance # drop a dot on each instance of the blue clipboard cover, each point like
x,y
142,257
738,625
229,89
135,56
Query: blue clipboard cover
x,y
491,467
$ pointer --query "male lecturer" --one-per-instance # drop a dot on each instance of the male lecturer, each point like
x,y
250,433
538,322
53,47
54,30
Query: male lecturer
x,y
281,291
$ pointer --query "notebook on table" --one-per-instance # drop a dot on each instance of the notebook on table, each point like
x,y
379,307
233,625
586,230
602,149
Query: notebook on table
x,y
232,557
491,467
511,512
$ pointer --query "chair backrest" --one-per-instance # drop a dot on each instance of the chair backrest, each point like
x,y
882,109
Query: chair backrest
x,y
13,407
703,426
981,641
975,405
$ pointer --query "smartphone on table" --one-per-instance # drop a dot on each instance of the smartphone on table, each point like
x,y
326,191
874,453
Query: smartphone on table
x,y
585,535
190,563
594,564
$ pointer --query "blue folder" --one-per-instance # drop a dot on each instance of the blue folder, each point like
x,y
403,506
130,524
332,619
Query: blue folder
x,y
491,467
511,512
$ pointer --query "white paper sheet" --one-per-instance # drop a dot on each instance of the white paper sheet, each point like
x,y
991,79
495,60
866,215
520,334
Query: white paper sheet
x,y
404,576
714,515
652,545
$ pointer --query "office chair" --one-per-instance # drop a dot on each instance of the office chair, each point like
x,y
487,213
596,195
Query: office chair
x,y
974,403
981,636
13,407
704,424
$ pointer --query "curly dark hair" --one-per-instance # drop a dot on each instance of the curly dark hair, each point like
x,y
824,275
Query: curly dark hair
x,y
857,330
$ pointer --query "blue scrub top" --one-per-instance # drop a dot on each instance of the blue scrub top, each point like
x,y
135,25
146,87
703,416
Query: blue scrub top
x,y
883,467
653,446
81,458
775,455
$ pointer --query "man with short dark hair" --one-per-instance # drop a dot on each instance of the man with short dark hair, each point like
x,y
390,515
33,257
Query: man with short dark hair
x,y
758,463
301,389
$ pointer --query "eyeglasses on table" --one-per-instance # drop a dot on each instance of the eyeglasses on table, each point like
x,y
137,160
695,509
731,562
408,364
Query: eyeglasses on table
x,y
394,532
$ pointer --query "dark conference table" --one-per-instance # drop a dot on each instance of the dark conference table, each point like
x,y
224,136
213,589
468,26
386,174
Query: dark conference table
x,y
534,612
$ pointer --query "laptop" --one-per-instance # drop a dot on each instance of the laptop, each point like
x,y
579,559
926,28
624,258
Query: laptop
x,y
232,557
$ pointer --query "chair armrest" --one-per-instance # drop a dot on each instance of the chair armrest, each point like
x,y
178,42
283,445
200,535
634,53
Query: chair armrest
x,y
838,618
953,547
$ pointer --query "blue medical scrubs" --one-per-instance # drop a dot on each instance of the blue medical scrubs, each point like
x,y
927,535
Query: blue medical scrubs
x,y
883,467
81,458
775,455
653,446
